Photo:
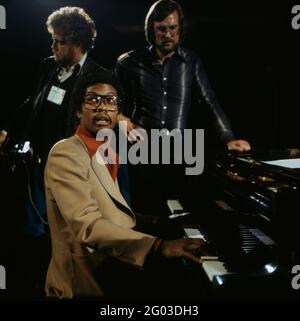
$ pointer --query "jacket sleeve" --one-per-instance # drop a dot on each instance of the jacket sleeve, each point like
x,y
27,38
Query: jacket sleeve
x,y
204,91
123,75
18,125
68,186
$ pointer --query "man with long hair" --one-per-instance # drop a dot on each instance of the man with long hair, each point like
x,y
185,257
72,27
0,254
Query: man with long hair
x,y
160,83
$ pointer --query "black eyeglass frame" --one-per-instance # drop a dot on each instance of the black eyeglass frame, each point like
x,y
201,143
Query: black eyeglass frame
x,y
110,101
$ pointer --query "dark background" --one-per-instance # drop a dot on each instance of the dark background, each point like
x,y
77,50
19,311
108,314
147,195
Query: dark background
x,y
249,49
251,53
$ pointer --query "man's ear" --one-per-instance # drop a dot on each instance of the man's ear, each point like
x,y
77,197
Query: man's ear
x,y
79,48
79,114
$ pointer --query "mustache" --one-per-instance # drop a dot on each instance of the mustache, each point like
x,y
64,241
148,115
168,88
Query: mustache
x,y
168,40
102,116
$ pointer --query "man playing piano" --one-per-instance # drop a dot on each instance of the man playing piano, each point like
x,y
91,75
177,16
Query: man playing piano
x,y
94,242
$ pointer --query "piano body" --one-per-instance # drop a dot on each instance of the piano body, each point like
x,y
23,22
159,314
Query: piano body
x,y
251,223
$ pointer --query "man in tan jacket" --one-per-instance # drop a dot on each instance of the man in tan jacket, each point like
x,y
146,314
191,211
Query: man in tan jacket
x,y
89,219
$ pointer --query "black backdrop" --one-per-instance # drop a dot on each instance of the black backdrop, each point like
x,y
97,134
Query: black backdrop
x,y
249,49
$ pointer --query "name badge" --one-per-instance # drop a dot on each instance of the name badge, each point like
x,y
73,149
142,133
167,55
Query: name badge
x,y
56,95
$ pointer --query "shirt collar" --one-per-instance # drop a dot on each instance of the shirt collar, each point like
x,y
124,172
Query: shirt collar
x,y
80,63
63,74
82,60
178,54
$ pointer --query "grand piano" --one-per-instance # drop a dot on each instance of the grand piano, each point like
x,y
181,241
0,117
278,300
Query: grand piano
x,y
251,224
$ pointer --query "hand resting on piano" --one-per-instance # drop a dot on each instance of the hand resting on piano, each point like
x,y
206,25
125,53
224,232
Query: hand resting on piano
x,y
207,252
185,248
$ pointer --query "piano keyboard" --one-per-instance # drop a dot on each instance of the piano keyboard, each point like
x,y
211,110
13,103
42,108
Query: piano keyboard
x,y
215,269
215,266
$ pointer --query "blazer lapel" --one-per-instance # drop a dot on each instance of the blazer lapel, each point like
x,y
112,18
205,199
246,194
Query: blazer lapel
x,y
106,180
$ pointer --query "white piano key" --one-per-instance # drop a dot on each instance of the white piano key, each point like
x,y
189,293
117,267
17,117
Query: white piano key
x,y
194,233
214,268
262,236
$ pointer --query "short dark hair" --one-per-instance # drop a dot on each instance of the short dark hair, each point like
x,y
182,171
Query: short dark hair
x,y
75,25
158,12
104,77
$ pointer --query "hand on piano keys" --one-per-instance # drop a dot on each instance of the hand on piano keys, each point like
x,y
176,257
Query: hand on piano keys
x,y
207,253
186,248
211,264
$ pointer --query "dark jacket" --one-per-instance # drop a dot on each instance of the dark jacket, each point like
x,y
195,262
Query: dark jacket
x,y
161,96
49,70
34,119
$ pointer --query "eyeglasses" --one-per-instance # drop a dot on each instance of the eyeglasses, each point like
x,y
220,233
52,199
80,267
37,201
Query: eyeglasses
x,y
173,29
56,42
92,101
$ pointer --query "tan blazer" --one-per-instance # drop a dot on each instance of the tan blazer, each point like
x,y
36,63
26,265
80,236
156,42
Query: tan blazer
x,y
89,220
